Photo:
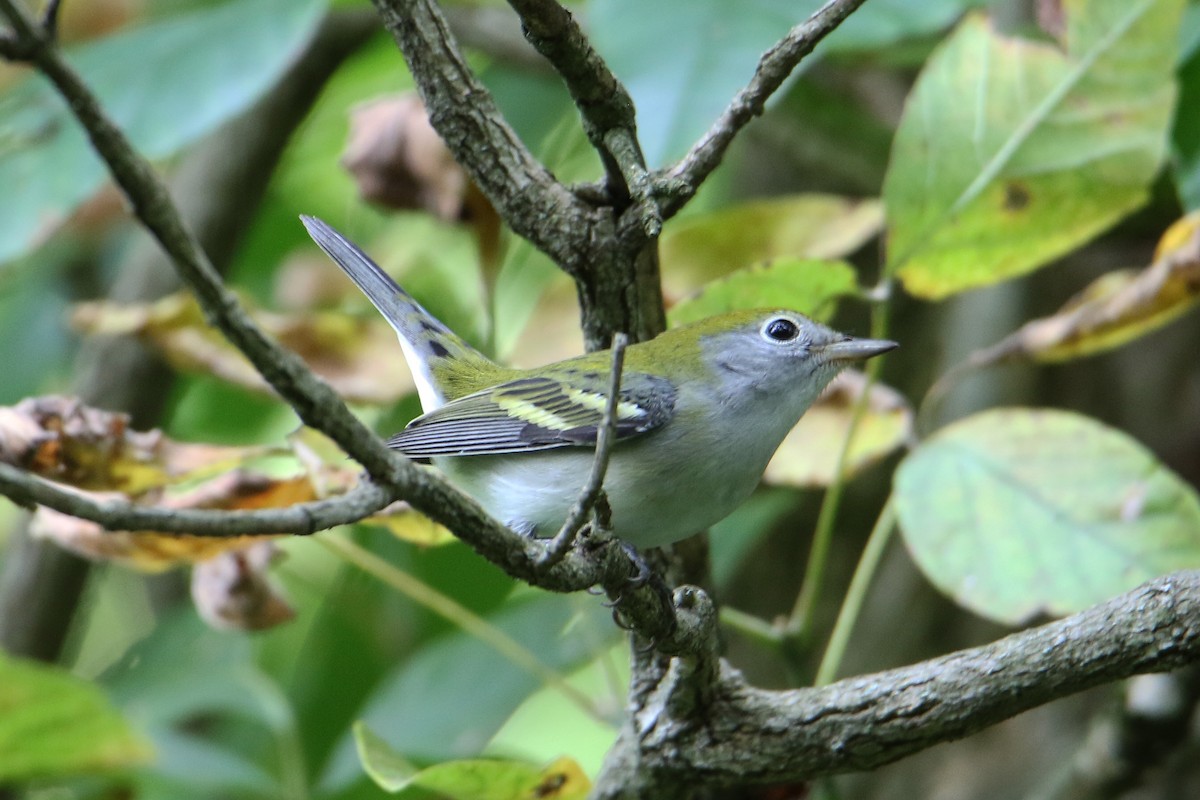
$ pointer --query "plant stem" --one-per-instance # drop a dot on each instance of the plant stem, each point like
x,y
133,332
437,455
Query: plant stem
x,y
446,607
852,605
752,627
800,623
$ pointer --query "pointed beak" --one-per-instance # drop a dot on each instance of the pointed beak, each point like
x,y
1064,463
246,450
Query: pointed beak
x,y
851,349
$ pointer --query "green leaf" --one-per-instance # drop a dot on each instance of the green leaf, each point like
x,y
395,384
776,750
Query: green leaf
x,y
429,709
684,60
884,22
1186,133
164,83
1012,152
704,247
548,724
472,779
1015,512
810,286
183,672
527,272
390,770
808,455
52,723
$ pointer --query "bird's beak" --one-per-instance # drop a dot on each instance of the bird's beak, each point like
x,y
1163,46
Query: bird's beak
x,y
851,349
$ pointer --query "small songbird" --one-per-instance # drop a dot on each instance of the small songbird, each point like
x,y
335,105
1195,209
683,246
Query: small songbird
x,y
701,410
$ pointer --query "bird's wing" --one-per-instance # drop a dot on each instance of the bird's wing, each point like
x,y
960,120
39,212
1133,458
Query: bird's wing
x,y
537,413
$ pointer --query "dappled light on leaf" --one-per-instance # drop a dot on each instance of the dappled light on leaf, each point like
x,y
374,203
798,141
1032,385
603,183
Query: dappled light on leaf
x,y
1115,308
1013,151
809,286
702,248
358,355
809,454
1016,512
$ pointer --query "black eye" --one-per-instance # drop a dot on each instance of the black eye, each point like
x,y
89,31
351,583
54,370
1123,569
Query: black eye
x,y
781,329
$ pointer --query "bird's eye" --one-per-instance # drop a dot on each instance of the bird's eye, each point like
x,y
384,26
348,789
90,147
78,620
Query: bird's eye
x,y
781,329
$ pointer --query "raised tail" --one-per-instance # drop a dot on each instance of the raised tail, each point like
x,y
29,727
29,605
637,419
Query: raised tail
x,y
442,363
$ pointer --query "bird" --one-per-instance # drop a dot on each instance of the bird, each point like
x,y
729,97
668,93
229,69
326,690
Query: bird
x,y
700,411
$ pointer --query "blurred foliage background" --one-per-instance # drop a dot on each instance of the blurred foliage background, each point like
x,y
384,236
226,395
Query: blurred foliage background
x,y
260,110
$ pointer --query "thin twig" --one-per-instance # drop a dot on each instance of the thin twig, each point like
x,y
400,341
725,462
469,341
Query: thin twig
x,y
301,519
462,110
676,184
50,20
558,547
459,615
311,398
22,41
622,144
602,100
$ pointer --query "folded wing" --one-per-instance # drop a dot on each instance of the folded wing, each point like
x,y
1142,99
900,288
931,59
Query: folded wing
x,y
537,413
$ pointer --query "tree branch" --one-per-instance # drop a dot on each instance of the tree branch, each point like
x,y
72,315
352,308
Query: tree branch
x,y
527,196
301,519
677,184
754,735
311,398
602,100
218,186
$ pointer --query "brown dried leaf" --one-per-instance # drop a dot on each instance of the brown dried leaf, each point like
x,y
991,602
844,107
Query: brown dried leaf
x,y
399,161
60,438
809,454
155,552
358,356
232,591
1115,308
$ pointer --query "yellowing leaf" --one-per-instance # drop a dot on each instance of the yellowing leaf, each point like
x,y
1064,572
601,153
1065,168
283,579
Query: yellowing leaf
x,y
1013,151
809,454
1116,308
469,779
155,552
699,249
412,526
562,780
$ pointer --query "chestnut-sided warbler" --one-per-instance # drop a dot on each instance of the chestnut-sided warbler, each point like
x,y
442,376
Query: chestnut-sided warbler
x,y
702,409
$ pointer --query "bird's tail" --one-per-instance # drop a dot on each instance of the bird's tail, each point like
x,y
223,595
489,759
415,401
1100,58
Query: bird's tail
x,y
441,361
